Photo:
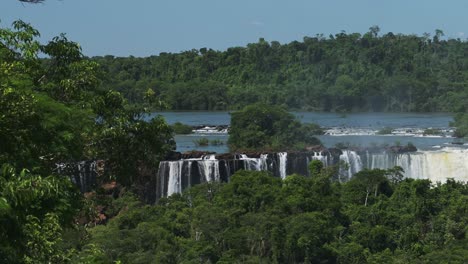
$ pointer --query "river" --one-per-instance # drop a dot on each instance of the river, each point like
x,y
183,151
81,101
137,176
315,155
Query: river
x,y
354,129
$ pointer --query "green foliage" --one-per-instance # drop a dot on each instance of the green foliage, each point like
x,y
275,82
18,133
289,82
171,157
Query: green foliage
x,y
130,144
33,211
216,142
51,111
342,72
257,218
432,131
181,129
202,142
385,131
342,145
261,126
461,122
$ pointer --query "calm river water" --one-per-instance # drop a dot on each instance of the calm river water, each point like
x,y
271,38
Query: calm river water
x,y
359,129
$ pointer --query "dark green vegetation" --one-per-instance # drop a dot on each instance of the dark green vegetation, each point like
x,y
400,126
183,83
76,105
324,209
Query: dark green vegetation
x,y
385,131
432,131
255,218
342,72
53,111
181,129
461,122
262,126
202,142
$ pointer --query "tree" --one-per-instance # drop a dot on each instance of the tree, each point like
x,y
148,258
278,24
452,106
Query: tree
x,y
461,124
51,112
33,211
365,184
262,126
129,143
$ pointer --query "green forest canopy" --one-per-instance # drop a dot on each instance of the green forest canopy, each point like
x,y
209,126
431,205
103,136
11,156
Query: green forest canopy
x,y
341,72
257,218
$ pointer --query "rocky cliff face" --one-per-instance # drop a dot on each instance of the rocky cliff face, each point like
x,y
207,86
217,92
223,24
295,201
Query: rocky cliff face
x,y
174,176
182,170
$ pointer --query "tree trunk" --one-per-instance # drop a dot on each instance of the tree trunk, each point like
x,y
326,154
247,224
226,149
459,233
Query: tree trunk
x,y
367,196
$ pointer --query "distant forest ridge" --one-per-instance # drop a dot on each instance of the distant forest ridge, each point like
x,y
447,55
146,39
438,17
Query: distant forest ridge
x,y
342,72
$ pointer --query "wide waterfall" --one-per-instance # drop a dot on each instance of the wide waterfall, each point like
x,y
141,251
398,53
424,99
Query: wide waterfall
x,y
437,166
175,176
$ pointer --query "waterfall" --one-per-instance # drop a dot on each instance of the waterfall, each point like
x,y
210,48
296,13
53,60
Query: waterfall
x,y
319,156
175,177
256,164
283,159
353,163
437,166
209,168
83,173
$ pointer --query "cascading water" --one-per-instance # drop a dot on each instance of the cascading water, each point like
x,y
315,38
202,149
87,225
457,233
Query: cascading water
x,y
437,166
283,159
256,164
321,157
175,177
209,168
352,162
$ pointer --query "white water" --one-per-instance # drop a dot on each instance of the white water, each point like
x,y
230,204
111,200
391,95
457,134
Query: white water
x,y
283,159
209,168
319,156
175,177
256,164
353,162
436,166
403,131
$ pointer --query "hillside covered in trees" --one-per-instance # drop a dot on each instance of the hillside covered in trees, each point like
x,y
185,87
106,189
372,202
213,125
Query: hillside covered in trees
x,y
341,72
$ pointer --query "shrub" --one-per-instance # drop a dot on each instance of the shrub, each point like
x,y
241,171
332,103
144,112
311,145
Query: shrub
x,y
216,142
201,142
385,131
431,131
181,129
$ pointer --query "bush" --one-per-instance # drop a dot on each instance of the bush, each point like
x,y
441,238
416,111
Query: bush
x,y
181,129
262,126
385,131
461,123
201,142
342,145
314,129
432,131
216,142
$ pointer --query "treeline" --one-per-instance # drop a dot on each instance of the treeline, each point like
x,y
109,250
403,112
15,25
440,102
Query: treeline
x,y
342,72
376,217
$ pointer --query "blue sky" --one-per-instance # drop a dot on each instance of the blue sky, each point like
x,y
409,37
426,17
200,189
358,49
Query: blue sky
x,y
148,27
